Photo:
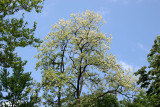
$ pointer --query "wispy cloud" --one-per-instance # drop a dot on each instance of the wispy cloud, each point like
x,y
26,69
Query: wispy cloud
x,y
103,11
47,8
126,65
140,45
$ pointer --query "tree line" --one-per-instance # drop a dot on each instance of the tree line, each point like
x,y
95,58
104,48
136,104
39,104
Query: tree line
x,y
76,66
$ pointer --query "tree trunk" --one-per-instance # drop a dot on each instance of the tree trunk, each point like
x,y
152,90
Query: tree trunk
x,y
78,99
78,102
59,97
78,91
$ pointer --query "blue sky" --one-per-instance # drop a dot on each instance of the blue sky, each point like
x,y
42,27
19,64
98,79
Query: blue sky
x,y
134,24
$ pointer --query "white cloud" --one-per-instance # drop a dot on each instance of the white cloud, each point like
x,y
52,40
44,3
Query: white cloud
x,y
47,8
126,65
103,11
140,45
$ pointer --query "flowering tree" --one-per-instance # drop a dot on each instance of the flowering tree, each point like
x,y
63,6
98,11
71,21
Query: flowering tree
x,y
75,62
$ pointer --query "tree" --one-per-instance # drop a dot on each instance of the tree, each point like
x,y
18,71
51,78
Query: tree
x,y
140,100
150,76
15,33
15,84
108,100
74,57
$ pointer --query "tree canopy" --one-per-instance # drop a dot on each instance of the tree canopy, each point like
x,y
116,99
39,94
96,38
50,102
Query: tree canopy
x,y
77,67
74,61
15,33
150,75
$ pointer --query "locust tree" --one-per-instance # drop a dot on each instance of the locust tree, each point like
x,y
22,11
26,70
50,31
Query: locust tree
x,y
75,61
14,32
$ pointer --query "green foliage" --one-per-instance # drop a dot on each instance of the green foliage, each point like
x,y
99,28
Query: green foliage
x,y
26,104
15,33
140,100
107,100
150,76
16,83
9,7
75,56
